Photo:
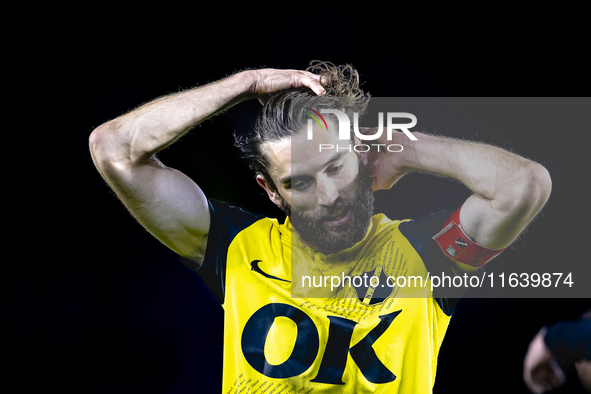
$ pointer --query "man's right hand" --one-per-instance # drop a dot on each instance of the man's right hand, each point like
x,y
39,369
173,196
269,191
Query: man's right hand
x,y
267,81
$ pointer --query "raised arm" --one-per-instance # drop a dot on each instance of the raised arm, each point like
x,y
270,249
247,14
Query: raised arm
x,y
509,190
165,201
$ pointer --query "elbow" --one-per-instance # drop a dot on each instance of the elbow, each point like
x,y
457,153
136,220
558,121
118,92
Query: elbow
x,y
97,139
98,143
106,148
113,145
527,193
530,192
539,185
101,138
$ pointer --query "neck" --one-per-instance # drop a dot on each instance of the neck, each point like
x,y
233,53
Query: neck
x,y
313,246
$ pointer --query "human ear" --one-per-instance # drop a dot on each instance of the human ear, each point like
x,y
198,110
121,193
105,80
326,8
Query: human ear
x,y
271,192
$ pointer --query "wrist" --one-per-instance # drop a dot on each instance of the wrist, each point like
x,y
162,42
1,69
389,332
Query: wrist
x,y
251,78
246,84
254,83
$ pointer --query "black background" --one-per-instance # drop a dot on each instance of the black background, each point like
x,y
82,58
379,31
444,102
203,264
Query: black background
x,y
99,306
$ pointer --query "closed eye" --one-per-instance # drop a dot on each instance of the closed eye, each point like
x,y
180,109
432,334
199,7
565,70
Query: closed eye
x,y
334,169
299,183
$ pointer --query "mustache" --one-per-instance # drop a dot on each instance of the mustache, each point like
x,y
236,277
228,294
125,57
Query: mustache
x,y
324,213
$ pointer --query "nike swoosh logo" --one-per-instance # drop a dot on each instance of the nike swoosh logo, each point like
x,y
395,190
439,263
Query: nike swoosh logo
x,y
255,267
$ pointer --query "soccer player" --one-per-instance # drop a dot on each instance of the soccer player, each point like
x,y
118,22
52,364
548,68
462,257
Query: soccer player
x,y
353,338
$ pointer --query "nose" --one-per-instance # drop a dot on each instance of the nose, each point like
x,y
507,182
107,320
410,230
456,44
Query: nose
x,y
327,192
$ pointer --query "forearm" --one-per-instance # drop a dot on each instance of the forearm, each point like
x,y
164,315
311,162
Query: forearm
x,y
488,171
139,134
509,190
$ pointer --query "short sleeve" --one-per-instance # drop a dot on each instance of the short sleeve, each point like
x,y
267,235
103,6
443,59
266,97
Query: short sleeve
x,y
420,232
225,223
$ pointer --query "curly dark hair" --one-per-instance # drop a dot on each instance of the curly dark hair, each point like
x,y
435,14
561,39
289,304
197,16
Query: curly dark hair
x,y
277,119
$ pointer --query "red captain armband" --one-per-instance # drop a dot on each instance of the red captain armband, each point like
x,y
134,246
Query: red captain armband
x,y
458,246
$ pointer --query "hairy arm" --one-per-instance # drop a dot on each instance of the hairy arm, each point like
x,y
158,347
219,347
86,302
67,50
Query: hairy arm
x,y
509,190
166,202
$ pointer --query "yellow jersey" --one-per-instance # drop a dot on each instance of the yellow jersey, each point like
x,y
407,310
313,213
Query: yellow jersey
x,y
285,334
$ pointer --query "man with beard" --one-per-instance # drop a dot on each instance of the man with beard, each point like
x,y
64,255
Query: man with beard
x,y
283,335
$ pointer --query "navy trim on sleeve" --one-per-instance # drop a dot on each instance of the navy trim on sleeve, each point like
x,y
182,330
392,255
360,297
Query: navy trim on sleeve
x,y
225,223
570,341
420,234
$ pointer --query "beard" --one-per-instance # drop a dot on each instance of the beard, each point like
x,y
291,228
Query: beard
x,y
313,231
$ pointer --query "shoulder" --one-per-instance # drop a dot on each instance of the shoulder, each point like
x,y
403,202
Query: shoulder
x,y
226,221
418,231
419,234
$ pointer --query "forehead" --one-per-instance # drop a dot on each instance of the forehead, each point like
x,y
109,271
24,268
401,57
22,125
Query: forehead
x,y
298,154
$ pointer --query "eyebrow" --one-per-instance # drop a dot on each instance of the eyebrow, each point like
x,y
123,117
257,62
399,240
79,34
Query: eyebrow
x,y
286,181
